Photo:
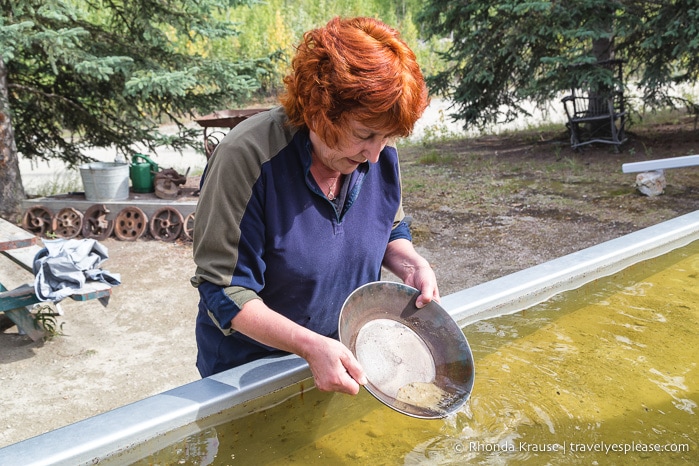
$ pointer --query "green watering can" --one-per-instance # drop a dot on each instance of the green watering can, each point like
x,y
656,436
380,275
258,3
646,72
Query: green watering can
x,y
142,174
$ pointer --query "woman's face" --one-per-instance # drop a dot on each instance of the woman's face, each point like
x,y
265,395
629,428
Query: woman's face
x,y
362,144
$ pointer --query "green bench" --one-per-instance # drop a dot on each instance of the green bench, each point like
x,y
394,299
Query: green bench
x,y
21,247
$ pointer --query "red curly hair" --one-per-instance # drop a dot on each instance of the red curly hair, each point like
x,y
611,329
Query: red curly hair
x,y
359,69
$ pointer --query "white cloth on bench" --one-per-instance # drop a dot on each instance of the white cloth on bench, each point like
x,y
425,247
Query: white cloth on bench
x,y
63,266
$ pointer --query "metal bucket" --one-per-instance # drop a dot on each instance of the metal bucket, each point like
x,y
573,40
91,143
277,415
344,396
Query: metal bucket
x,y
105,181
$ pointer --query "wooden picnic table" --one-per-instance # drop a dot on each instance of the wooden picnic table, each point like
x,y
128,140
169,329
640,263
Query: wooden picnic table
x,y
13,237
21,247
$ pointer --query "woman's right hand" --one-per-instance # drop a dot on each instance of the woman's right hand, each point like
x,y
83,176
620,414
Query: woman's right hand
x,y
334,367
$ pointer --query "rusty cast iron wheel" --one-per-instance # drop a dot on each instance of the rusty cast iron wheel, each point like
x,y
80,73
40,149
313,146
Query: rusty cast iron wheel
x,y
67,223
37,220
130,224
188,226
95,223
166,224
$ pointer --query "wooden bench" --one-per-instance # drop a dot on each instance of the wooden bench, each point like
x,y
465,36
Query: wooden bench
x,y
597,116
661,164
21,247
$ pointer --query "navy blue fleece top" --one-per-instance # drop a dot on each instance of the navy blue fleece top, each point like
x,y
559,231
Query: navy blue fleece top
x,y
264,230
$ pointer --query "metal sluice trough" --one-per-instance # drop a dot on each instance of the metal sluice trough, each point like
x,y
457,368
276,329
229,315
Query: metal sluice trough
x,y
134,431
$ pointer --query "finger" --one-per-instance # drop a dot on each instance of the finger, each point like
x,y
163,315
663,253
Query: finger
x,y
423,300
428,294
344,383
351,387
354,369
436,297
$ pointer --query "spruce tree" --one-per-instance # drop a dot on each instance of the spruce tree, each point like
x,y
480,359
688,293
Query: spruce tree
x,y
504,53
77,74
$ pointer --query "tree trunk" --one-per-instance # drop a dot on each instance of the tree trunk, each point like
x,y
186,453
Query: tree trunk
x,y
11,189
603,49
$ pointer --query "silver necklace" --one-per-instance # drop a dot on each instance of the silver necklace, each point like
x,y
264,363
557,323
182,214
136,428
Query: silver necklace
x,y
331,189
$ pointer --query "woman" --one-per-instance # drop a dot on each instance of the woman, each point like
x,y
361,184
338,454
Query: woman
x,y
300,205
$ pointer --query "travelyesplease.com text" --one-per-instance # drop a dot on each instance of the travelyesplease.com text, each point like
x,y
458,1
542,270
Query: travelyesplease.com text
x,y
572,447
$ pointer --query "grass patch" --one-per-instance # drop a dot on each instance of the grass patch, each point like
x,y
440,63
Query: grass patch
x,y
435,157
45,318
64,182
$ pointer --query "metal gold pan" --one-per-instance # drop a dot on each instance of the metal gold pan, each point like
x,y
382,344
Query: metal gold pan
x,y
417,361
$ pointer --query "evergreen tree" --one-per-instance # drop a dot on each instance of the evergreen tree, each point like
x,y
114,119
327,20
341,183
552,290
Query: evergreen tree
x,y
76,74
503,53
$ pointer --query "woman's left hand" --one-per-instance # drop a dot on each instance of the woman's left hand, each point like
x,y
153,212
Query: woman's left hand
x,y
424,279
402,259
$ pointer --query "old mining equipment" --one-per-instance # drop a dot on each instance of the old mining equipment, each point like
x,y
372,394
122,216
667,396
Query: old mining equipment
x,y
160,202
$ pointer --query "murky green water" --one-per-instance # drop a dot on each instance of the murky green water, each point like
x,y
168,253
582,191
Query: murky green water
x,y
602,375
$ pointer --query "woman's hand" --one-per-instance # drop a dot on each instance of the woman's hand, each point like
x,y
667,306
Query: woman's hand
x,y
423,279
402,259
333,365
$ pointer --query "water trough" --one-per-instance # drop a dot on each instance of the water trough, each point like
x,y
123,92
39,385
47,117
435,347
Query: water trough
x,y
129,433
